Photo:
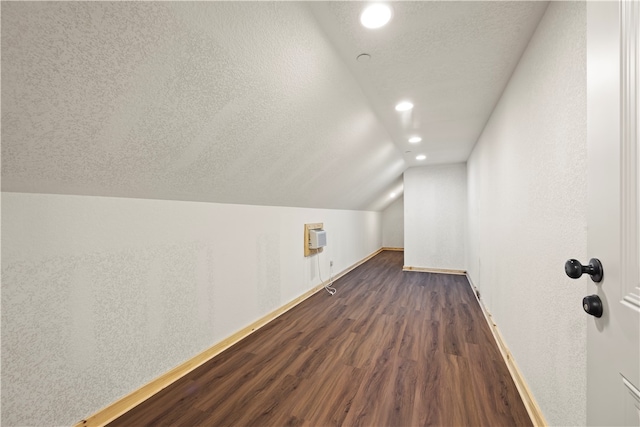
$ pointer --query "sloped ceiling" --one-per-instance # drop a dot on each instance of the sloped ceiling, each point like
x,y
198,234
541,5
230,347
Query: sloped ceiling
x,y
452,59
246,102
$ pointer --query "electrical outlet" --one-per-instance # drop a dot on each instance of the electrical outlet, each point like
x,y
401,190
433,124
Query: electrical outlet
x,y
330,263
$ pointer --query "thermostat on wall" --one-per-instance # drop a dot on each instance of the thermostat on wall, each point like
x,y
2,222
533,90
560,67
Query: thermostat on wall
x,y
317,239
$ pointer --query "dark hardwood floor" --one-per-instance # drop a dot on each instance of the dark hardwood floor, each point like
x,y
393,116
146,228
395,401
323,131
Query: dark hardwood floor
x,y
391,348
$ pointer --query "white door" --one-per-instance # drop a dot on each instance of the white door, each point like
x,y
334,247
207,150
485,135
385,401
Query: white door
x,y
613,340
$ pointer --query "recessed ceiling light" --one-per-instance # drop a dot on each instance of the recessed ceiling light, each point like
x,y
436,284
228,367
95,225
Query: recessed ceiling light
x,y
375,16
415,139
404,106
393,195
421,157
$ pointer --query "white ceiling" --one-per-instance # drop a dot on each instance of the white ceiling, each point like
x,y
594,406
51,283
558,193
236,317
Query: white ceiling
x,y
451,59
246,102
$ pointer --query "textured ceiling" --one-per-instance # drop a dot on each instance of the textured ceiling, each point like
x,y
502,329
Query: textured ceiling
x,y
451,59
245,102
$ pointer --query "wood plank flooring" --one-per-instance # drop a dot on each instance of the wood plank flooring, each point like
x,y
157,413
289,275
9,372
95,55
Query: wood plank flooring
x,y
391,348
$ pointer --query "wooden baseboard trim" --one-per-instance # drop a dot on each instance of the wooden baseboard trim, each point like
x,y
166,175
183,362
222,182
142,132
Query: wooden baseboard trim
x,y
133,399
537,418
393,249
434,270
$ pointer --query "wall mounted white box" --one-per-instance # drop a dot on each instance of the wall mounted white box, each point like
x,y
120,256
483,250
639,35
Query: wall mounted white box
x,y
317,239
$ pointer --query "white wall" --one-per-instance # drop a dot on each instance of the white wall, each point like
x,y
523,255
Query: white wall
x,y
527,213
435,210
393,224
101,295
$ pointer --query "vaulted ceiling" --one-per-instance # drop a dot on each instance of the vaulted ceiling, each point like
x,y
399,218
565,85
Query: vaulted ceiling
x,y
247,102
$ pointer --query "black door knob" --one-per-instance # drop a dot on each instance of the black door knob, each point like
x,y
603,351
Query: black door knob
x,y
592,305
574,269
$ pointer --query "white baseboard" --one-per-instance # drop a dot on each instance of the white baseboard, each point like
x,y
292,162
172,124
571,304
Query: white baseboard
x,y
434,270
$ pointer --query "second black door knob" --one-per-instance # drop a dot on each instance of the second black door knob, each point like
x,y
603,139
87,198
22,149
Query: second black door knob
x,y
592,305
